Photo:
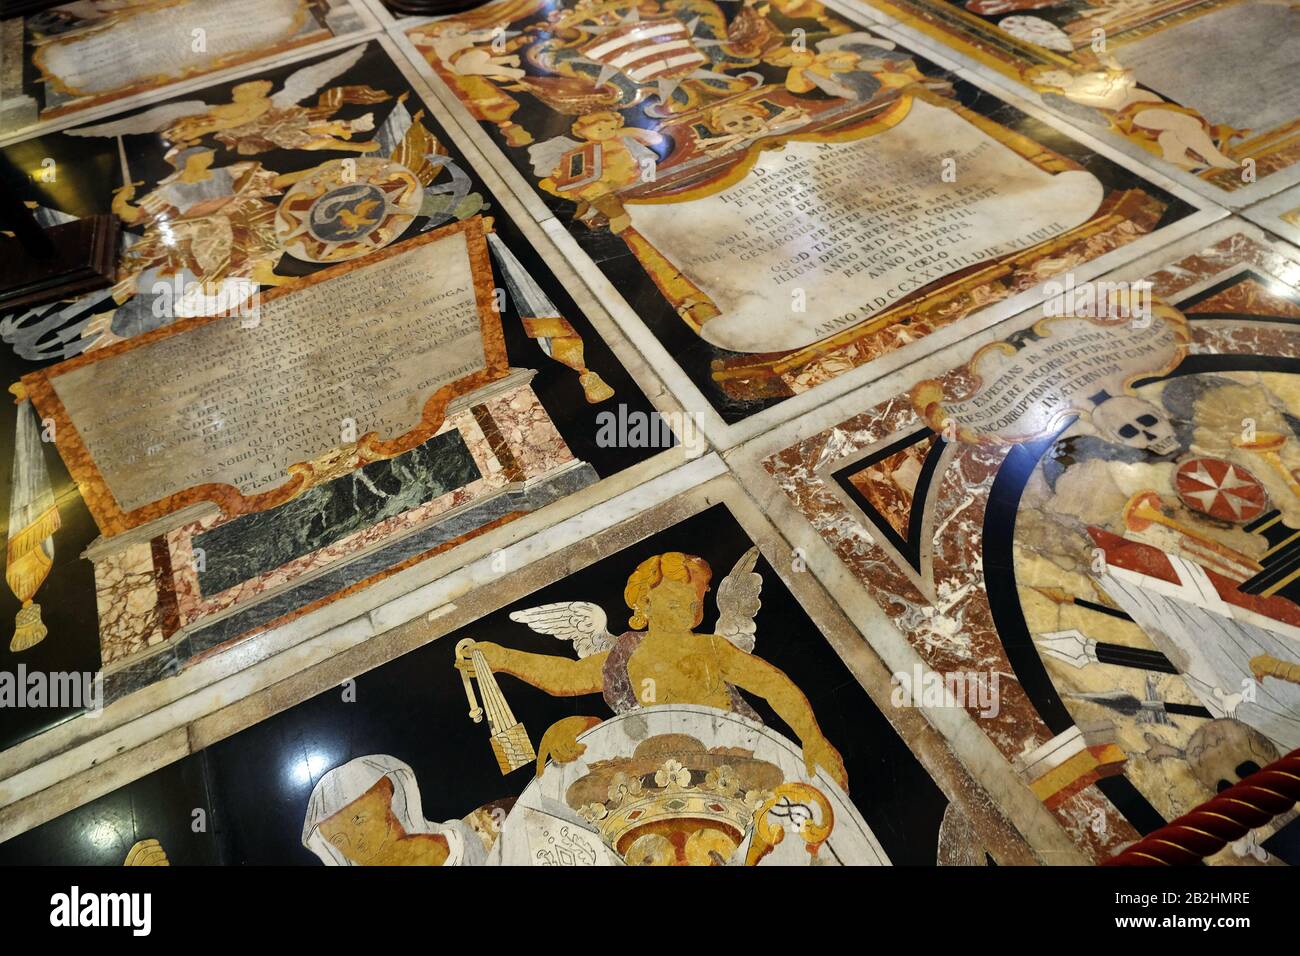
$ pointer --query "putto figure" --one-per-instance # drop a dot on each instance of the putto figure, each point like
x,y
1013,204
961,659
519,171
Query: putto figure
x,y
686,772
257,120
662,661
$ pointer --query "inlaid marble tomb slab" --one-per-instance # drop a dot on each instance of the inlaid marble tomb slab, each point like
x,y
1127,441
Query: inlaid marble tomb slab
x,y
776,197
682,693
79,56
1204,90
331,352
1099,512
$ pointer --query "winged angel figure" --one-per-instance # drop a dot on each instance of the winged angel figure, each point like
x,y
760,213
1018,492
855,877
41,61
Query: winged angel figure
x,y
661,661
216,223
255,120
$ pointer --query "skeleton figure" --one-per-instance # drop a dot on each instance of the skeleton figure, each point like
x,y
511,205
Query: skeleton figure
x,y
739,125
1135,423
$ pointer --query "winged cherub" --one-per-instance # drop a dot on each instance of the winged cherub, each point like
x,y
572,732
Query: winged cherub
x,y
661,660
255,120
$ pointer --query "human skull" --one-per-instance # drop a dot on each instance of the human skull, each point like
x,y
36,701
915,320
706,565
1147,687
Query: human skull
x,y
1223,751
1136,423
741,122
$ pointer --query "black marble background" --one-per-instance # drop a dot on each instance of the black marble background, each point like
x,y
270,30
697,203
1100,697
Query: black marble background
x,y
88,171
257,783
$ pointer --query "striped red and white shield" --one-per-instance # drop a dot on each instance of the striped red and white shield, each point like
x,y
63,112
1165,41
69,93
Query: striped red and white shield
x,y
648,51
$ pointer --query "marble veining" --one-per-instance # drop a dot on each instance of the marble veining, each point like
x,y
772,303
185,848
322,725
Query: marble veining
x,y
252,544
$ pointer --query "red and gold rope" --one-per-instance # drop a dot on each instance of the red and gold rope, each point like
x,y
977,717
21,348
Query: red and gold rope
x,y
1236,811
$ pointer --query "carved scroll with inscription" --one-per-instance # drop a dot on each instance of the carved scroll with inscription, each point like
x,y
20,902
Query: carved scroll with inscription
x,y
1024,390
248,415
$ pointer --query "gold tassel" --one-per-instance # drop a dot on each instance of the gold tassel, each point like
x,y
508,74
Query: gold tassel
x,y
29,629
24,574
28,557
554,333
566,348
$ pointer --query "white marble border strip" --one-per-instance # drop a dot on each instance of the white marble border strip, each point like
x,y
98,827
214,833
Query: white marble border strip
x,y
1269,214
387,18
719,433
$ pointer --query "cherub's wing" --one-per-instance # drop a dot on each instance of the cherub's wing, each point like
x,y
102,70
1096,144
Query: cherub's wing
x,y
581,622
311,79
545,156
150,121
738,602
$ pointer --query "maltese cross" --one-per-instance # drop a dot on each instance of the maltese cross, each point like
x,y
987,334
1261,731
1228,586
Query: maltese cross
x,y
1220,489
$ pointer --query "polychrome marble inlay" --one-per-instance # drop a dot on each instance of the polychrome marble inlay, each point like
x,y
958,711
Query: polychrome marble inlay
x,y
654,433
1043,510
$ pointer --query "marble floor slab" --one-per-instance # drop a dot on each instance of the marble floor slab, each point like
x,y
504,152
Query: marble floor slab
x,y
217,476
1034,506
800,731
1204,92
1279,214
93,58
719,212
833,432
